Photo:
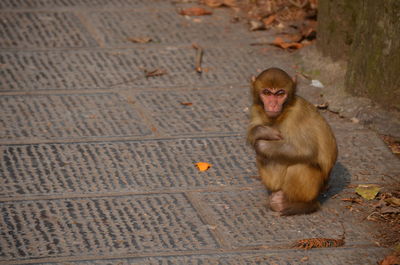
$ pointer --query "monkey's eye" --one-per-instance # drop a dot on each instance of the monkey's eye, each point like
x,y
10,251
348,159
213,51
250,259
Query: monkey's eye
x,y
280,93
267,92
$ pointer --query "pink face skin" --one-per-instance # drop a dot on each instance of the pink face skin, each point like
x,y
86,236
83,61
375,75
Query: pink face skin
x,y
273,99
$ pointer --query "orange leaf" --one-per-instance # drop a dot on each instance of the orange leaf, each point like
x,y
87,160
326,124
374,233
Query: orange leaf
x,y
279,42
195,11
203,166
269,20
214,3
187,103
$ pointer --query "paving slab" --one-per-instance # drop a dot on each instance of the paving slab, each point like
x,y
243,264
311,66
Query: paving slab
x,y
165,27
222,111
134,224
49,4
68,116
135,166
43,30
244,221
321,257
124,68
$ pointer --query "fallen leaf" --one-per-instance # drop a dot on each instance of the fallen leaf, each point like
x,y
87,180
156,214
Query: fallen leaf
x,y
187,103
368,191
195,11
139,39
219,3
304,259
279,42
256,25
352,200
203,166
389,209
393,200
390,260
269,20
293,37
214,3
156,72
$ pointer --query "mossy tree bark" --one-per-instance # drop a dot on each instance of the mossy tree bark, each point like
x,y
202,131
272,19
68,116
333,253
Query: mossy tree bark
x,y
366,33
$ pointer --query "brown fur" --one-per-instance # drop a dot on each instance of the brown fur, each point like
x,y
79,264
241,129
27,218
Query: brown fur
x,y
300,163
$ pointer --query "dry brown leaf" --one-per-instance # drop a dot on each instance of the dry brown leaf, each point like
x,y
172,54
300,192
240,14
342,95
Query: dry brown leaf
x,y
390,260
256,25
195,11
203,166
156,72
293,37
390,209
214,3
269,20
279,42
231,3
139,39
187,103
219,3
304,259
352,200
393,200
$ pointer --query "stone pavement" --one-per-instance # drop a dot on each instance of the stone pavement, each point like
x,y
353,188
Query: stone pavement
x,y
97,161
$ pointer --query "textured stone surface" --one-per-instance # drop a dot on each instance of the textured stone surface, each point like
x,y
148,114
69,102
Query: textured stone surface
x,y
244,220
222,111
124,166
42,30
136,224
321,257
68,116
17,4
97,161
92,69
364,155
115,27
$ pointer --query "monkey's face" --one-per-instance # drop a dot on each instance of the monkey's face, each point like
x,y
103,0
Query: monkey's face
x,y
273,100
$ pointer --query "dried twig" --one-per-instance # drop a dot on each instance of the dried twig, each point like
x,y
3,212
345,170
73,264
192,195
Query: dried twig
x,y
198,59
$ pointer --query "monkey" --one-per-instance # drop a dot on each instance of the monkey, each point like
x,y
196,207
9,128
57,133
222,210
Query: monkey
x,y
294,145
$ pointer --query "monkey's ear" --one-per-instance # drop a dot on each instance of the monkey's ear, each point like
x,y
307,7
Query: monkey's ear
x,y
253,79
294,78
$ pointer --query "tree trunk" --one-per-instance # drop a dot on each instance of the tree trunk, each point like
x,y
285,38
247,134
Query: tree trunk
x,y
366,33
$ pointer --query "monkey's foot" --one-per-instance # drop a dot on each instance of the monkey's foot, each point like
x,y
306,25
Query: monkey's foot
x,y
277,201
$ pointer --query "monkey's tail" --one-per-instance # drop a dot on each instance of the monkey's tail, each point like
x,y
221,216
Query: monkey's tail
x,y
300,208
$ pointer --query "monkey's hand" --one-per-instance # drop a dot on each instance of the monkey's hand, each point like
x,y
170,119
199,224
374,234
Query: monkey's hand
x,y
282,150
271,149
268,133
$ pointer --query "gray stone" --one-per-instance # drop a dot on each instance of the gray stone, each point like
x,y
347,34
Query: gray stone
x,y
68,116
135,166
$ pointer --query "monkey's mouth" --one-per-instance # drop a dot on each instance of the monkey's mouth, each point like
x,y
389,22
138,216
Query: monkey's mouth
x,y
273,114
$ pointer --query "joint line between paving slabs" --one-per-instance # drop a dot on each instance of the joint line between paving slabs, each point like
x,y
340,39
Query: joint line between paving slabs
x,y
207,219
111,139
102,194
